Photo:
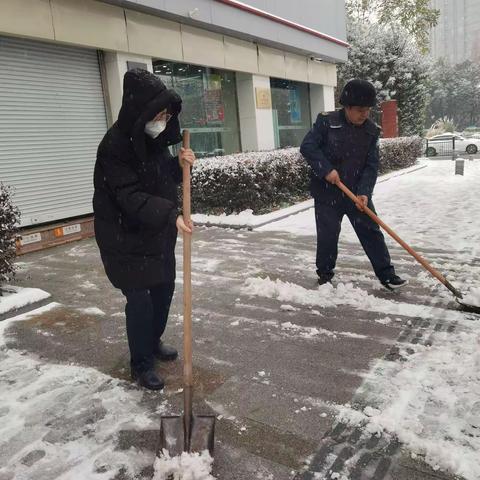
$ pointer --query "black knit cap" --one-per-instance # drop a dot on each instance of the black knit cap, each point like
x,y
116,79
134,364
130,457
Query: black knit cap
x,y
358,93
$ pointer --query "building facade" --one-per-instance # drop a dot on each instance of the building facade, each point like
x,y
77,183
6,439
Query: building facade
x,y
252,76
457,35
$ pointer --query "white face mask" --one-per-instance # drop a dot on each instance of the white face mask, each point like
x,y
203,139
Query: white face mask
x,y
155,128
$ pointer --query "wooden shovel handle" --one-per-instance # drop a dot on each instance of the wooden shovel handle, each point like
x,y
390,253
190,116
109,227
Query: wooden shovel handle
x,y
187,272
405,245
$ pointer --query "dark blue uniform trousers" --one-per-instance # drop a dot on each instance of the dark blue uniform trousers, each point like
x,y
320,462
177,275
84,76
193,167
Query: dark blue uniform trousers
x,y
147,313
328,217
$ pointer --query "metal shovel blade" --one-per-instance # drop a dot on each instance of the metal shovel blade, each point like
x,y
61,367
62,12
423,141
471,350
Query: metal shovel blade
x,y
467,307
172,435
202,433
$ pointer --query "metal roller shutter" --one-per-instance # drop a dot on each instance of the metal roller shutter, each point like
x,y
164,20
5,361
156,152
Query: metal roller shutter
x,y
52,118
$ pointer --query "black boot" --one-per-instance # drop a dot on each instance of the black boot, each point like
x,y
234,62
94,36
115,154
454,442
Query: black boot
x,y
165,352
394,282
148,379
324,278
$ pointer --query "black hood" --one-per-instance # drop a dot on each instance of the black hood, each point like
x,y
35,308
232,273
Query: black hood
x,y
144,96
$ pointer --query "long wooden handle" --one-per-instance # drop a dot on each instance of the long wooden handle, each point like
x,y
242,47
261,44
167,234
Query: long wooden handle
x,y
187,272
405,245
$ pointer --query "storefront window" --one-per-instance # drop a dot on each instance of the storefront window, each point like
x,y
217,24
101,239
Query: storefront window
x,y
291,112
209,108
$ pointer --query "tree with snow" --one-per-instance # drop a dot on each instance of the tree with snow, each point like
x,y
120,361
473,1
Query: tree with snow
x,y
455,93
9,219
389,58
417,17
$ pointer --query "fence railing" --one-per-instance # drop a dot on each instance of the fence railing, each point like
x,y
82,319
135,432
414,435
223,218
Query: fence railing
x,y
441,148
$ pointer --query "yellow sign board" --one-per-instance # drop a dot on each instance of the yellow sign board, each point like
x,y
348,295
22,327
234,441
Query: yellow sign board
x,y
264,99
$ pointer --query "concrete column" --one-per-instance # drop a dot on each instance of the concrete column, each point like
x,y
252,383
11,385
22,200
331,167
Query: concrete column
x,y
322,99
256,124
115,68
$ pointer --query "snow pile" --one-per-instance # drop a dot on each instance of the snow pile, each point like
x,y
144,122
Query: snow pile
x,y
431,402
187,466
329,296
17,297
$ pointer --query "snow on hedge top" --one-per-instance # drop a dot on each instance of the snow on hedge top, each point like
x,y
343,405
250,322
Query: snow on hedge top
x,y
249,158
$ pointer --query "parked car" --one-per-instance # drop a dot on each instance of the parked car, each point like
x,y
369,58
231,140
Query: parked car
x,y
447,143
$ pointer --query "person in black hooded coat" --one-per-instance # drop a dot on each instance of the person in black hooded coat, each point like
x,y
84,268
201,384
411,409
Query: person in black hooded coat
x,y
136,214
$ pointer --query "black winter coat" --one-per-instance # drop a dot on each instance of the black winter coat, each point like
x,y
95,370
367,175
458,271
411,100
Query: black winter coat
x,y
334,143
136,178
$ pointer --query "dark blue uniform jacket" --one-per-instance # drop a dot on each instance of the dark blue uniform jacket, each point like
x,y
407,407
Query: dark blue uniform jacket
x,y
335,143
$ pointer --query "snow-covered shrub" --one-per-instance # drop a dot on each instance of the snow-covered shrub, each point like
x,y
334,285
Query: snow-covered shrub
x,y
9,218
263,181
398,153
260,181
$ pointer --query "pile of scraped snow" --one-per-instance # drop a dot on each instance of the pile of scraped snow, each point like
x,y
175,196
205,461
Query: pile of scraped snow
x,y
430,402
328,296
187,466
18,297
472,297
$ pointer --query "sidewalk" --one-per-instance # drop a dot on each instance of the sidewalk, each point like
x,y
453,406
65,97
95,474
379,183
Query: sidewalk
x,y
275,371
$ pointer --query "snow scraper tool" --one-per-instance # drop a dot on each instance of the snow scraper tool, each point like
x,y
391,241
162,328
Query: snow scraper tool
x,y
433,271
187,433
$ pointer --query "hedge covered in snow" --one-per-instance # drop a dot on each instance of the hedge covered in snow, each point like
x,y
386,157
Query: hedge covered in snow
x,y
398,153
9,218
257,180
264,181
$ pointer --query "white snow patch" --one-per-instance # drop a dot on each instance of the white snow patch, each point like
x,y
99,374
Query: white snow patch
x,y
431,402
18,297
288,308
187,466
343,294
92,311
87,285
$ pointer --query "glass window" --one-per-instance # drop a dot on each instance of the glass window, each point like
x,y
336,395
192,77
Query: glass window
x,y
291,112
209,108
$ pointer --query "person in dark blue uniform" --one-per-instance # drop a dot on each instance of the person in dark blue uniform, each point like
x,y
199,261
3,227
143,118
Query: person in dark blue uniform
x,y
343,145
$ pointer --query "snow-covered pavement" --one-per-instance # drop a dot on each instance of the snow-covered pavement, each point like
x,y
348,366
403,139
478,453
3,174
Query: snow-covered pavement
x,y
328,378
431,400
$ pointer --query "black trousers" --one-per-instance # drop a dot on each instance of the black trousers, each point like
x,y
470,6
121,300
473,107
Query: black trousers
x,y
328,218
147,313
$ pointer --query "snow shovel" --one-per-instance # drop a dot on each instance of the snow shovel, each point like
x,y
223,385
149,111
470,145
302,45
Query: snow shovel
x,y
441,278
187,433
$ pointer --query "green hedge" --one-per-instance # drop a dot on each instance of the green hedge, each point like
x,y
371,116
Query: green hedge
x,y
264,181
9,219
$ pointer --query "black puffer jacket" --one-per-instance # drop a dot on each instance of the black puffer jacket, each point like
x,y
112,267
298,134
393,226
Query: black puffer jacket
x,y
136,178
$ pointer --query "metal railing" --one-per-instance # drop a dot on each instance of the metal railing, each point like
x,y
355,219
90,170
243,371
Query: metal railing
x,y
440,148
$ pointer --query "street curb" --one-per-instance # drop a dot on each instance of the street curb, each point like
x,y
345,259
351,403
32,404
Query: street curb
x,y
251,227
14,312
